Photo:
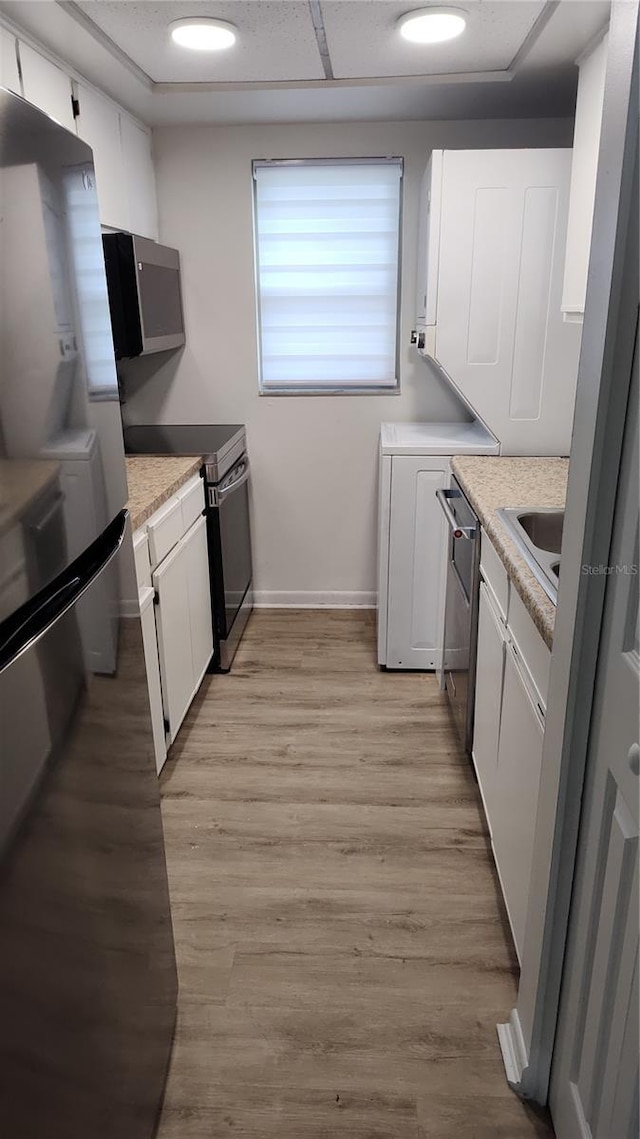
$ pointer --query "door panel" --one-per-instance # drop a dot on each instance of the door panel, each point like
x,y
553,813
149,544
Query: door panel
x,y
489,680
199,590
516,787
174,635
417,559
594,1085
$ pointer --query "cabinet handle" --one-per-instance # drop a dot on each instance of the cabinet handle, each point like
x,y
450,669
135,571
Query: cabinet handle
x,y
634,758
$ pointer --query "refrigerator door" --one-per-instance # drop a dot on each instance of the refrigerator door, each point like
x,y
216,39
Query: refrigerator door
x,y
87,971
62,474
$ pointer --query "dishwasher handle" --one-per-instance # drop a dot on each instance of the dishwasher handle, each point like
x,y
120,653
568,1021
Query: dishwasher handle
x,y
468,532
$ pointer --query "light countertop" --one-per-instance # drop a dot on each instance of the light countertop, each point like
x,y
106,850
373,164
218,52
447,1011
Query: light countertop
x,y
501,481
153,479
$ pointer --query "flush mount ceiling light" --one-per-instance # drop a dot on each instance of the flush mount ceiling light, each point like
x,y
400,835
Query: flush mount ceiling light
x,y
432,25
203,34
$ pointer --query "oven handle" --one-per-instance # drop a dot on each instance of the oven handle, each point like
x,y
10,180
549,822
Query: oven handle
x,y
217,497
469,532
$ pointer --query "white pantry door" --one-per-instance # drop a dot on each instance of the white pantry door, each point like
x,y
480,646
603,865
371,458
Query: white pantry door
x,y
594,1083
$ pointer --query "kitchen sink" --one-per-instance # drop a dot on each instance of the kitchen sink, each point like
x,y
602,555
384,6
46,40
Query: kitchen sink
x,y
538,535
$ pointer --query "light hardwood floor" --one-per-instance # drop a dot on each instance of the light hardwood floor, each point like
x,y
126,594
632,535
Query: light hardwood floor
x,y
342,954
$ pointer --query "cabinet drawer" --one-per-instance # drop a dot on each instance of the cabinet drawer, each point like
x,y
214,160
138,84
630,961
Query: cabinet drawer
x,y
530,647
192,500
164,529
495,575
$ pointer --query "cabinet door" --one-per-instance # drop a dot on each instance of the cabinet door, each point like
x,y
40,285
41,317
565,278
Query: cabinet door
x,y
199,589
9,74
173,625
429,241
488,701
99,126
500,333
515,799
152,665
139,179
417,557
46,86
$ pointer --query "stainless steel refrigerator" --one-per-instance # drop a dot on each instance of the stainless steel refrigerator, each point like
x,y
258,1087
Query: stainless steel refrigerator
x,y
87,968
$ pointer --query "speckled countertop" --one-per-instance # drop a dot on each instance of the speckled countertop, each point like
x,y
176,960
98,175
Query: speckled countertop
x,y
153,479
21,481
493,482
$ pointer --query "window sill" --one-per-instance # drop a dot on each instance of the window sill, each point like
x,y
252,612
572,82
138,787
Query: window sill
x,y
352,391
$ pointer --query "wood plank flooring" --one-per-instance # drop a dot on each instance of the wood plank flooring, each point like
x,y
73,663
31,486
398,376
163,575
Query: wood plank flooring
x,y
342,953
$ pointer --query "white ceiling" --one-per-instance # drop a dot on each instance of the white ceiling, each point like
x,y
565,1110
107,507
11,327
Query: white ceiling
x,y
516,58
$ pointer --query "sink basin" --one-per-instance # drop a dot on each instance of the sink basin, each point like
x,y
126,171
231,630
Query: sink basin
x,y
543,528
538,535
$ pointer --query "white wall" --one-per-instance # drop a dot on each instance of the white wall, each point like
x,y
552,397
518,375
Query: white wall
x,y
314,458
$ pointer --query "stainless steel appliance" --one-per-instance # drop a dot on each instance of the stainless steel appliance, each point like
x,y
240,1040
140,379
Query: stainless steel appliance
x,y
225,471
145,297
461,608
87,970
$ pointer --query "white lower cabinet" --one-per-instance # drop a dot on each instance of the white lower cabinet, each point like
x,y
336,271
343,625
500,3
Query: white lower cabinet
x,y
517,783
416,566
492,641
183,622
152,665
512,666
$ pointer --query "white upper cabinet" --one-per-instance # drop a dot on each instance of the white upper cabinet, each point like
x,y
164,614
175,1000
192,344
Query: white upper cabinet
x,y
490,286
47,86
99,126
139,179
586,145
9,74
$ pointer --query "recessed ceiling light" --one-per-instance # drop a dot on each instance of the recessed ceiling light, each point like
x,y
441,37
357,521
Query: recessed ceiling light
x,y
432,25
203,34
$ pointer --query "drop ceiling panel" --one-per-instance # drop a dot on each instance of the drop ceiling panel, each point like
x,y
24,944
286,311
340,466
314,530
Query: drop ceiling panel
x,y
276,40
364,40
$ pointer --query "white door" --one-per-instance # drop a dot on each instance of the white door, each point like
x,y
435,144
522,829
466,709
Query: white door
x,y
515,793
594,1083
488,706
199,588
99,125
173,624
500,333
417,559
46,86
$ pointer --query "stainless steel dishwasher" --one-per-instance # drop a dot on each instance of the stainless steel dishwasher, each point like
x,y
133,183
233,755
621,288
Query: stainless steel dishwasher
x,y
461,608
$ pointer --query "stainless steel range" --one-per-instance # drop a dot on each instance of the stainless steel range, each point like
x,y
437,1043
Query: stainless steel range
x,y
226,474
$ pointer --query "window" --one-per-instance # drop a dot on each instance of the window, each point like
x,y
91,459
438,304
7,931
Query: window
x,y
327,242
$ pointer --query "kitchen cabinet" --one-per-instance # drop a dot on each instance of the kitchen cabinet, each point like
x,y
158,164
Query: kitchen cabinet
x,y
9,74
416,562
517,782
146,598
46,86
183,622
584,164
491,651
99,126
512,679
139,179
489,285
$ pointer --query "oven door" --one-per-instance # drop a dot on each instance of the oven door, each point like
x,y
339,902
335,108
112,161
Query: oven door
x,y
232,578
460,622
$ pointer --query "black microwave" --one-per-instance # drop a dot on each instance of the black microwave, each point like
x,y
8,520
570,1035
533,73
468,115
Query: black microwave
x,y
145,298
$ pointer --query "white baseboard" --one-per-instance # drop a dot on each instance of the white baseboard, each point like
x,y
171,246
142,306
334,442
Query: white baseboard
x,y
514,1050
307,599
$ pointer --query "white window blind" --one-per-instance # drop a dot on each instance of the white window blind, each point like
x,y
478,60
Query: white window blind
x,y
327,263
